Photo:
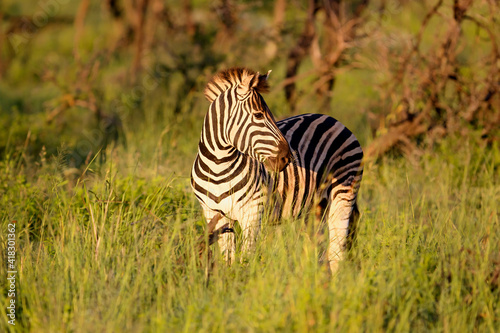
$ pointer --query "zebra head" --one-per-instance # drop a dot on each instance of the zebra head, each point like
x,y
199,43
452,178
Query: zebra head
x,y
247,123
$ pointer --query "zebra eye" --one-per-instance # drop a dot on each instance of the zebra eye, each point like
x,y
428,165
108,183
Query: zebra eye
x,y
259,115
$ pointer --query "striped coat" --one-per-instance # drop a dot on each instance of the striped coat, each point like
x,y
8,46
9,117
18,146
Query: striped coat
x,y
248,164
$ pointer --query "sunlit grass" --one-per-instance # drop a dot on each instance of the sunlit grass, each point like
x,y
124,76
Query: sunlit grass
x,y
118,252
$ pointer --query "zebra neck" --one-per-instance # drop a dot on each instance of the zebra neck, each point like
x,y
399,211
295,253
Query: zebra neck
x,y
214,145
230,163
217,155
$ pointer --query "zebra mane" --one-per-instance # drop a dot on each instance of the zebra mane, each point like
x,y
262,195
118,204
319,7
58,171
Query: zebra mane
x,y
231,77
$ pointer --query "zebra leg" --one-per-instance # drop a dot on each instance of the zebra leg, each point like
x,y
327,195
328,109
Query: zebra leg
x,y
250,231
226,241
353,227
340,213
319,227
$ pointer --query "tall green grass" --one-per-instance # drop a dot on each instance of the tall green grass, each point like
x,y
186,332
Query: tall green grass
x,y
116,250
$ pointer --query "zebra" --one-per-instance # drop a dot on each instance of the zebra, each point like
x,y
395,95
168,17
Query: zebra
x,y
247,163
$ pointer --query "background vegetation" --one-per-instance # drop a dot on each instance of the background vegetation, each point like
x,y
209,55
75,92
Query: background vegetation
x,y
101,105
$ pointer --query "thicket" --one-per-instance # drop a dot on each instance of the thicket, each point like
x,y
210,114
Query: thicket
x,y
426,69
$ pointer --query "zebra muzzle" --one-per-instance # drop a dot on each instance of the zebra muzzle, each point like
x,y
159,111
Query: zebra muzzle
x,y
279,163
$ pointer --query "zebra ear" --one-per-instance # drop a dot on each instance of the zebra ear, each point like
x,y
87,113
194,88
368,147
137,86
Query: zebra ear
x,y
266,76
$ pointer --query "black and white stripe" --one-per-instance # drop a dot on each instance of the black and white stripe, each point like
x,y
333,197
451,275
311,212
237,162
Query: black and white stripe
x,y
248,163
